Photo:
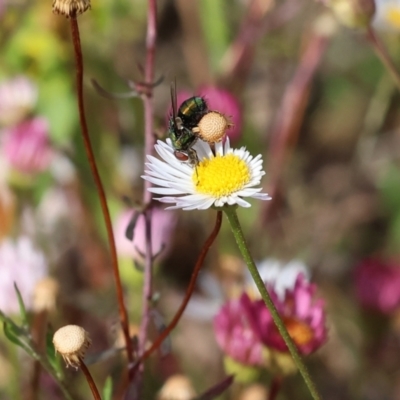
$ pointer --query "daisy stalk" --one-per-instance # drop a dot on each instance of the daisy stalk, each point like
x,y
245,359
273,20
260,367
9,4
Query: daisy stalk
x,y
230,212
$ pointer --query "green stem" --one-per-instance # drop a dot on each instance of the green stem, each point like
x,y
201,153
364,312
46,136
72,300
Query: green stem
x,y
241,242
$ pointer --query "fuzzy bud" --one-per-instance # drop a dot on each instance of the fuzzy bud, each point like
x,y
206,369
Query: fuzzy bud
x,y
212,127
45,295
70,8
177,387
71,341
353,13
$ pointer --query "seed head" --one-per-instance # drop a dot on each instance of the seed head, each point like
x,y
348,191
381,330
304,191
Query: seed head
x,y
70,8
177,387
71,341
212,127
45,295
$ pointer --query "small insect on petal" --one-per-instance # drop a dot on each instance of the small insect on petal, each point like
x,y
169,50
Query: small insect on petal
x,y
181,156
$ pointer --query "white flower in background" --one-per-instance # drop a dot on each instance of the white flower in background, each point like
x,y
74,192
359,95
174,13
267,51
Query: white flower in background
x,y
224,178
279,275
21,263
18,96
387,15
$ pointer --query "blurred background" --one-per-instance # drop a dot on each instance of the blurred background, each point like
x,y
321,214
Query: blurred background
x,y
308,93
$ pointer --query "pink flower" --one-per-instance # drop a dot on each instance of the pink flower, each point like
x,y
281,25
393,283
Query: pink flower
x,y
244,327
235,334
17,98
162,227
26,146
21,263
303,315
377,285
226,103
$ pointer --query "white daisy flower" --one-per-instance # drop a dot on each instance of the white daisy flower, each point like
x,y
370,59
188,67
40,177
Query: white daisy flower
x,y
225,177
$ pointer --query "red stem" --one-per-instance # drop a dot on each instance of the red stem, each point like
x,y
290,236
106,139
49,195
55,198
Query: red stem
x,y
383,55
276,385
99,186
90,381
149,146
188,294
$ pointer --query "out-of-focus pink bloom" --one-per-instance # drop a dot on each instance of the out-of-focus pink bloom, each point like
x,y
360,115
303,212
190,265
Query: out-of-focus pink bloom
x,y
377,285
235,335
303,315
21,263
162,227
226,103
17,98
26,146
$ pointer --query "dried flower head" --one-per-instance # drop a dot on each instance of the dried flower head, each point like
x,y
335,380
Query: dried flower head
x,y
177,387
71,341
212,127
70,8
45,295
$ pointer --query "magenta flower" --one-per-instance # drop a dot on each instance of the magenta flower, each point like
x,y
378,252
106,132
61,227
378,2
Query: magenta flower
x,y
21,263
162,227
18,96
235,335
26,146
244,327
303,315
226,103
377,285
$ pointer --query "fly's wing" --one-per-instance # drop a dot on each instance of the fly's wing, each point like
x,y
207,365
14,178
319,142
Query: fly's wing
x,y
174,104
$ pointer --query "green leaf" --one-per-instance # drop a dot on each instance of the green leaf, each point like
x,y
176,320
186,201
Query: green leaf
x,y
22,308
51,354
107,389
14,333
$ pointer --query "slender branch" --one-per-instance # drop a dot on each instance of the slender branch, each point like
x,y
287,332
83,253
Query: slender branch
x,y
188,294
123,315
149,146
383,54
90,381
276,385
241,242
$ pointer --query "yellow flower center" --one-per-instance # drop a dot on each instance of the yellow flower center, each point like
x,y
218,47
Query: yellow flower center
x,y
299,331
393,16
221,175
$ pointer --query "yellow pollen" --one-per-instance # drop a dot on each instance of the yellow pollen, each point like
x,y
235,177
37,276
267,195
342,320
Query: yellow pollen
x,y
221,175
299,331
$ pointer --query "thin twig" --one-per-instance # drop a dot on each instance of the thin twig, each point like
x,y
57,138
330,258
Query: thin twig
x,y
147,214
383,54
123,315
90,381
156,344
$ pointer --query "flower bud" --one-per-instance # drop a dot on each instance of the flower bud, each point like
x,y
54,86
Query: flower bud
x,y
177,387
70,8
71,341
45,295
353,13
212,127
